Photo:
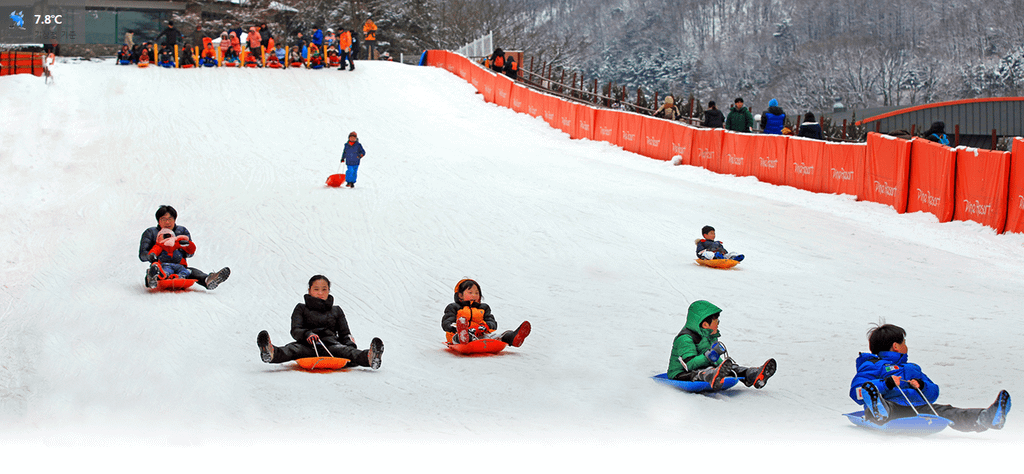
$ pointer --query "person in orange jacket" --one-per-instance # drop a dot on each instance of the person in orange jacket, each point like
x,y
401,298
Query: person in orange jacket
x,y
345,46
468,318
370,34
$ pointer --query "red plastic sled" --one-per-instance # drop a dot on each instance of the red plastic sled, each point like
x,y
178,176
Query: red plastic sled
x,y
722,263
174,284
479,346
336,180
322,363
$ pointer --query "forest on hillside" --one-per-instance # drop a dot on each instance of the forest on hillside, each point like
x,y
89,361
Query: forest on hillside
x,y
807,54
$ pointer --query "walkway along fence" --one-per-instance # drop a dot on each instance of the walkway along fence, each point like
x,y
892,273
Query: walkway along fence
x,y
964,184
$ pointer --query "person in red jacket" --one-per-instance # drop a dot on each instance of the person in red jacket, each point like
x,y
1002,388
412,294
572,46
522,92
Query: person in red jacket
x,y
320,328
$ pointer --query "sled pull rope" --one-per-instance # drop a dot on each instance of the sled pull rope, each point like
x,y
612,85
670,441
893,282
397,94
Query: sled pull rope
x,y
926,401
905,397
325,349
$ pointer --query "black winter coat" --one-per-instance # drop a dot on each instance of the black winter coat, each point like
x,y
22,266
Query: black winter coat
x,y
320,317
713,118
171,36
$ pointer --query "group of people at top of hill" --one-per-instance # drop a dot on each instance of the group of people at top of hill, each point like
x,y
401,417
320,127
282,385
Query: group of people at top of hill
x,y
258,43
740,119
501,63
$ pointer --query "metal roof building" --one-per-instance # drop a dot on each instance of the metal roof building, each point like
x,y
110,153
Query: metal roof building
x,y
977,119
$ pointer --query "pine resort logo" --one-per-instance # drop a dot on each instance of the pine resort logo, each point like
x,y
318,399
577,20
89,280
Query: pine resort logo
x,y
769,163
705,154
927,199
517,103
604,131
884,188
628,136
800,168
678,149
584,125
735,160
842,174
566,122
549,116
977,208
651,141
532,110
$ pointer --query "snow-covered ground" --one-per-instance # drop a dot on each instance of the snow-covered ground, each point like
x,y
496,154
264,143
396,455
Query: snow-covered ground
x,y
590,243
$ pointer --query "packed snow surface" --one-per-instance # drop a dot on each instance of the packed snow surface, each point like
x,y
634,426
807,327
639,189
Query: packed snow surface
x,y
591,244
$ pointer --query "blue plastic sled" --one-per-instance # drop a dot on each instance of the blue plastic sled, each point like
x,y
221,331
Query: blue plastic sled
x,y
920,425
695,387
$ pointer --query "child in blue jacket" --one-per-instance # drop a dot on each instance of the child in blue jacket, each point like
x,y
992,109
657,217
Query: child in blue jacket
x,y
351,155
710,249
889,387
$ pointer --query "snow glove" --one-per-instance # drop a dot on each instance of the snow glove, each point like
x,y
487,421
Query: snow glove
x,y
715,353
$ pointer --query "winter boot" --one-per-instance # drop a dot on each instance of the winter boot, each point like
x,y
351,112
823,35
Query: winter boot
x,y
715,376
151,274
521,333
216,278
462,330
995,415
266,348
875,407
376,350
759,377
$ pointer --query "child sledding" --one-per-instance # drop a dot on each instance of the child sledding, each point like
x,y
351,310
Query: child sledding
x,y
471,328
166,246
894,390
320,328
712,253
698,356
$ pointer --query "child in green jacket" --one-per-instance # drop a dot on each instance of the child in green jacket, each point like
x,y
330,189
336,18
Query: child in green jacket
x,y
698,356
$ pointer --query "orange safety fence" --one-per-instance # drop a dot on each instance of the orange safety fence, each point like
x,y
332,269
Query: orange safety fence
x,y
519,98
772,161
885,171
932,169
566,118
982,179
549,109
502,91
584,127
843,160
606,126
656,141
630,131
17,62
910,176
1015,195
682,142
740,152
707,148
534,103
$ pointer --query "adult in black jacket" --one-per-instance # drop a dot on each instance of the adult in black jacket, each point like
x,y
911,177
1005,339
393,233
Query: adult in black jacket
x,y
320,328
713,117
170,35
265,36
166,218
810,128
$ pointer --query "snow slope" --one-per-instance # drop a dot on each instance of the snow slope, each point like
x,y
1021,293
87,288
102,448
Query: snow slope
x,y
593,245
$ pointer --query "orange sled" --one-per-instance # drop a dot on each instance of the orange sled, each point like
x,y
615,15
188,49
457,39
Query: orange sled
x,y
722,263
479,346
328,362
336,180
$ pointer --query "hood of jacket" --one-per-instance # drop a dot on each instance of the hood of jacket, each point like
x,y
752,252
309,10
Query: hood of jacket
x,y
698,311
886,356
776,110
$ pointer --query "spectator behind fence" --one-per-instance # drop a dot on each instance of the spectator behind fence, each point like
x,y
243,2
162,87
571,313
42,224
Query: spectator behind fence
x,y
739,119
773,119
511,67
497,61
713,118
937,133
668,109
810,128
170,35
370,34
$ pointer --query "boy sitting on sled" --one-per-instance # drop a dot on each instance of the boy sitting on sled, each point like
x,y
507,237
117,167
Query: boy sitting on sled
x,y
698,356
889,387
710,249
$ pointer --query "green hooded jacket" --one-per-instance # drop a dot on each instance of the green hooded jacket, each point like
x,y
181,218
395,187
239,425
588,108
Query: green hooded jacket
x,y
739,120
687,354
